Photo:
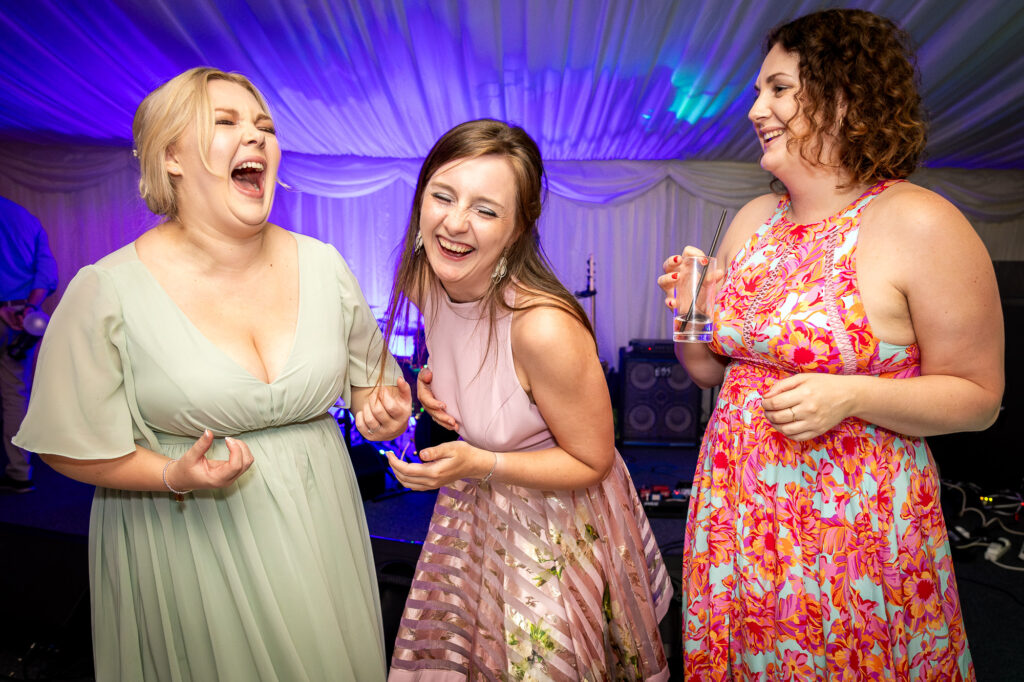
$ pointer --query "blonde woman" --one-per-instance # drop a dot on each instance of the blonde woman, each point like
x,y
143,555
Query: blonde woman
x,y
188,377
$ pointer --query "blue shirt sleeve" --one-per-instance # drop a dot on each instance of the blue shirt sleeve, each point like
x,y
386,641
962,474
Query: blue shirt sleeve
x,y
26,261
46,264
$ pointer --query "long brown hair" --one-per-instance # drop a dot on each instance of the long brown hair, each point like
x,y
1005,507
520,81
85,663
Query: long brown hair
x,y
528,268
857,78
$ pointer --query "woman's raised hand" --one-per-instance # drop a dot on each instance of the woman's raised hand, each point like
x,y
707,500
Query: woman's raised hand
x,y
385,414
442,464
675,267
196,471
434,407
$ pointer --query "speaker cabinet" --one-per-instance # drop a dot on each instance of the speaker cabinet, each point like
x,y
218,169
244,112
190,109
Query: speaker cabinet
x,y
660,403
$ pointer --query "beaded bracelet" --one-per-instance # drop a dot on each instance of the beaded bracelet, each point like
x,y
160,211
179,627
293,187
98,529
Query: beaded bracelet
x,y
491,472
179,495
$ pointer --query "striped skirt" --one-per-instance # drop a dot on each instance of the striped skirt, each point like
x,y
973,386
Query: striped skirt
x,y
521,584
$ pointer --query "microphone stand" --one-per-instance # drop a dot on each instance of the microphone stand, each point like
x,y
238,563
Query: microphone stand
x,y
590,292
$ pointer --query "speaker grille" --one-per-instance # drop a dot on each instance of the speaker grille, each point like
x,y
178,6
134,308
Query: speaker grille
x,y
660,403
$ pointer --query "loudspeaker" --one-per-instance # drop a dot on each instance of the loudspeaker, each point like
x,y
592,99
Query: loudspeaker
x,y
660,403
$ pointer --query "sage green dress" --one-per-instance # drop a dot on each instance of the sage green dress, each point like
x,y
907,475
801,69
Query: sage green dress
x,y
271,578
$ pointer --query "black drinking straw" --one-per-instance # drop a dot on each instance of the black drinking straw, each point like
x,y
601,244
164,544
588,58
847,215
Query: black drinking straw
x,y
710,254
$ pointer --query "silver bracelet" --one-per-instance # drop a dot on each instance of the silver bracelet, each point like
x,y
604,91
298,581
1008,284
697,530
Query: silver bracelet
x,y
491,472
179,495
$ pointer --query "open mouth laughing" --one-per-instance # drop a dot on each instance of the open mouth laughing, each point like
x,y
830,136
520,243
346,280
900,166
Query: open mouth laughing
x,y
454,249
248,177
771,135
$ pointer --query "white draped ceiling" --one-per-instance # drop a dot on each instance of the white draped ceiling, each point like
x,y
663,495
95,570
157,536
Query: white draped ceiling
x,y
639,108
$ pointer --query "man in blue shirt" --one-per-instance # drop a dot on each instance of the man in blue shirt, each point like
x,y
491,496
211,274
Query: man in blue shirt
x,y
28,274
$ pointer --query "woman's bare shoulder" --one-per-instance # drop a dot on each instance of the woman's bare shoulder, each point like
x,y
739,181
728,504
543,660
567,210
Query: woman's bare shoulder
x,y
916,219
542,322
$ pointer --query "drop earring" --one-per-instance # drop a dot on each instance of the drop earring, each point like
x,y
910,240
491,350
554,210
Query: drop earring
x,y
417,245
500,270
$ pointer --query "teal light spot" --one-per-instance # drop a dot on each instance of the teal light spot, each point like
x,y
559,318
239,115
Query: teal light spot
x,y
692,101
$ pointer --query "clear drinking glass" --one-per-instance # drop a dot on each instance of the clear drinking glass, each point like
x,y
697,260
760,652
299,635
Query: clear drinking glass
x,y
696,290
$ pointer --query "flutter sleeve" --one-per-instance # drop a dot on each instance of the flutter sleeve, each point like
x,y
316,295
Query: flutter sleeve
x,y
78,406
364,336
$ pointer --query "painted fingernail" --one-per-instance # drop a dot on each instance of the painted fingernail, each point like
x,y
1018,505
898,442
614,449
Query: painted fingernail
x,y
703,261
675,275
675,259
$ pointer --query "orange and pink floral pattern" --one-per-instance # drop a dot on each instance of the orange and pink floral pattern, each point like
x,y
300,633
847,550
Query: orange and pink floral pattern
x,y
824,559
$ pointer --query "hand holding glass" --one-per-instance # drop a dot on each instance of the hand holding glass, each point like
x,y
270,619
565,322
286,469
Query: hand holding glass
x,y
696,290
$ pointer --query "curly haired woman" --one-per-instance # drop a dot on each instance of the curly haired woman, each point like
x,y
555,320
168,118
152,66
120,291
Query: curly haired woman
x,y
859,313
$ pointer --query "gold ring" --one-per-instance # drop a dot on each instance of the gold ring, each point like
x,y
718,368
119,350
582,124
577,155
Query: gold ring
x,y
792,414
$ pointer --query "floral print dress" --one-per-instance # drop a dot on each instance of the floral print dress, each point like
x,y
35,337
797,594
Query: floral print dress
x,y
825,559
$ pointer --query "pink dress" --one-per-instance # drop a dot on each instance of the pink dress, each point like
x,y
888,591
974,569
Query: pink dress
x,y
515,583
825,559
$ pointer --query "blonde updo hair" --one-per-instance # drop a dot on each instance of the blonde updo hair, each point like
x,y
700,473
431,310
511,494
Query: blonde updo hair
x,y
163,117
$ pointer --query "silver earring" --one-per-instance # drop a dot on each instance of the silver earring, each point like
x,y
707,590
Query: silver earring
x,y
500,270
418,244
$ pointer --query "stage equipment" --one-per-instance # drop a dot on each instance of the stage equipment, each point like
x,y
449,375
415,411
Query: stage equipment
x,y
660,403
666,501
590,292
406,337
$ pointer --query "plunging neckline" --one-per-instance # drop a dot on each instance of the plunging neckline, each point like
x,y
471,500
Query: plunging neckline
x,y
198,332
